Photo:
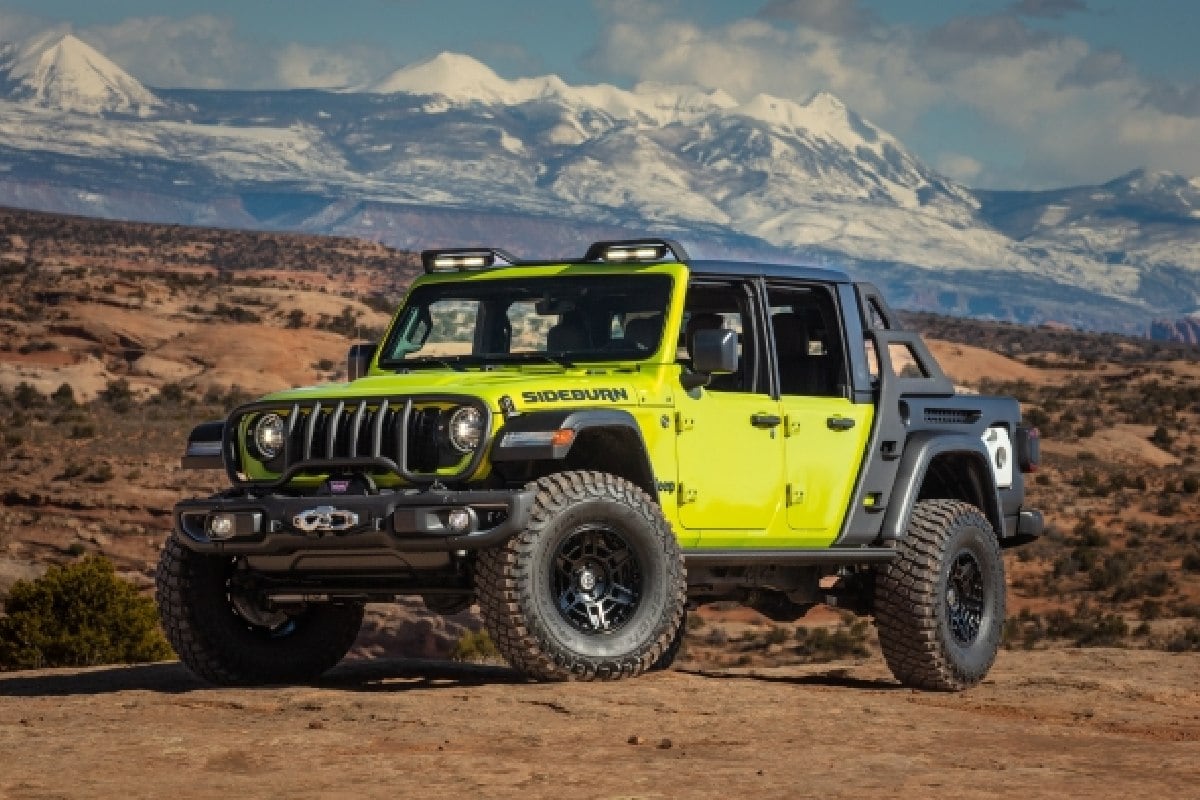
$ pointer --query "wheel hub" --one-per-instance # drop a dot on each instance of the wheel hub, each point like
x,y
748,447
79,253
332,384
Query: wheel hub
x,y
965,598
596,580
587,579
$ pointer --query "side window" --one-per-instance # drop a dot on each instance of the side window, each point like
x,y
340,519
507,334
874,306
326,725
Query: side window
x,y
808,341
724,304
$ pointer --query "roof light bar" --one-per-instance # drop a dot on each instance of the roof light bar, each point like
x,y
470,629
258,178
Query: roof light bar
x,y
636,250
464,259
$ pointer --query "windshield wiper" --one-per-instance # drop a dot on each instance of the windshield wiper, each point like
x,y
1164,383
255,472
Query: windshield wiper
x,y
453,363
546,358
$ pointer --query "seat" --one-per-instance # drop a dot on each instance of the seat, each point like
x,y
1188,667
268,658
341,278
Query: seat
x,y
642,333
799,372
570,334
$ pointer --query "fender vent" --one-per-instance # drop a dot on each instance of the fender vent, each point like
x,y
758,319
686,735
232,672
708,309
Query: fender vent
x,y
952,416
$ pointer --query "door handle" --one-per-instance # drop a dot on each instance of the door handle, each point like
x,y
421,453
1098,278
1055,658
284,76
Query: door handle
x,y
765,420
839,423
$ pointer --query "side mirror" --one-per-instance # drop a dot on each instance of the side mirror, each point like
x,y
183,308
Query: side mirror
x,y
715,352
358,361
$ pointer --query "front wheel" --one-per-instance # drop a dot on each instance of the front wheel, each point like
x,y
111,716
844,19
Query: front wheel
x,y
593,588
229,636
939,605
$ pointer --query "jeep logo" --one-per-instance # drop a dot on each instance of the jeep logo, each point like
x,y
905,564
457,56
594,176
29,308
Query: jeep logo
x,y
325,519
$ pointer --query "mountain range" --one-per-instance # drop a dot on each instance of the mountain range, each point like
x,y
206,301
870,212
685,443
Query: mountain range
x,y
446,152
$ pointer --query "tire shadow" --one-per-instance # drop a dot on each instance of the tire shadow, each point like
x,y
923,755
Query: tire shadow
x,y
166,677
368,675
835,678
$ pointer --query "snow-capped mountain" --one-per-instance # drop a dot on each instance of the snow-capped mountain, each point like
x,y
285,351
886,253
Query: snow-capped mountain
x,y
63,73
448,152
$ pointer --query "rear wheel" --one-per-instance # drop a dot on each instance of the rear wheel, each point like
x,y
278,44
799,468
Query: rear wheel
x,y
230,636
592,589
939,605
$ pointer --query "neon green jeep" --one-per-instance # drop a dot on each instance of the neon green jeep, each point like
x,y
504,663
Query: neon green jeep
x,y
585,447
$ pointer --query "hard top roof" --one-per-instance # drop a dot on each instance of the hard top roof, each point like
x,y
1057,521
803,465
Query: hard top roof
x,y
626,252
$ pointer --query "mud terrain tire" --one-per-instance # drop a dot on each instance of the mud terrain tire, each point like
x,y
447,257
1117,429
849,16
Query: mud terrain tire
x,y
939,605
667,659
224,647
592,589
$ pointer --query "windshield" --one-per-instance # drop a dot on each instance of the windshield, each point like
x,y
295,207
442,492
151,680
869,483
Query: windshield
x,y
553,319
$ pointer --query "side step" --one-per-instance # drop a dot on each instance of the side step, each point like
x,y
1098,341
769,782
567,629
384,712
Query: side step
x,y
791,558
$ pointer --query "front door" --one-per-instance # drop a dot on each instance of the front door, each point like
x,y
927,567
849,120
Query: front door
x,y
729,434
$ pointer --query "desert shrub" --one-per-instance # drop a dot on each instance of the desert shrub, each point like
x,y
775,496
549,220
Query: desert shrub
x,y
79,615
26,396
1187,640
717,637
1150,609
83,430
235,313
777,635
117,395
64,396
1086,627
1114,570
170,394
100,473
1161,437
823,644
475,646
1191,562
1191,484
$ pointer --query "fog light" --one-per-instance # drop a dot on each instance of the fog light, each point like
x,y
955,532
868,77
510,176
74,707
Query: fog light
x,y
459,520
222,526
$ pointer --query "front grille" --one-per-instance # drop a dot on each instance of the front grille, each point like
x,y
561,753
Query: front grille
x,y
952,416
401,435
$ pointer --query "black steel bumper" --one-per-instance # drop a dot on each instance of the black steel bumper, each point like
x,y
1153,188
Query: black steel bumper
x,y
417,522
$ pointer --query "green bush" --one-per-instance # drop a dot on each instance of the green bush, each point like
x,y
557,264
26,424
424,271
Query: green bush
x,y
475,646
81,614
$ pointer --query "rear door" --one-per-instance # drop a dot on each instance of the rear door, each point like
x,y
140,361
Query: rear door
x,y
824,433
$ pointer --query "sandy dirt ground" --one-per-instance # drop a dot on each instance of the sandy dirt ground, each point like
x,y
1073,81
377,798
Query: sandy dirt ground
x,y
1059,723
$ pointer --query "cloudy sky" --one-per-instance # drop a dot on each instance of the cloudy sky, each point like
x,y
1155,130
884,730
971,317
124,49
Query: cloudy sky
x,y
995,93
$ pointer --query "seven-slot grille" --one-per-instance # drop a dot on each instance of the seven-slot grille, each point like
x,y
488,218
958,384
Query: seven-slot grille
x,y
401,435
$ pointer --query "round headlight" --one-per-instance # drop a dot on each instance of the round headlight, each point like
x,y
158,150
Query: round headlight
x,y
268,436
465,429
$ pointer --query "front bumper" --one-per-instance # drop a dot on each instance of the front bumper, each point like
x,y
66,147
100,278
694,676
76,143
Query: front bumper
x,y
414,522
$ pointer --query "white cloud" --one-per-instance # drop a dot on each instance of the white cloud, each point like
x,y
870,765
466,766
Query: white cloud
x,y
960,167
206,52
1075,113
15,26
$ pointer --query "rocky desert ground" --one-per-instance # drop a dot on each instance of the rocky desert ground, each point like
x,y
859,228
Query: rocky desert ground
x,y
154,328
1071,723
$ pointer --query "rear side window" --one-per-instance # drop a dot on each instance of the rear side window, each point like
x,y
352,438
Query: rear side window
x,y
808,341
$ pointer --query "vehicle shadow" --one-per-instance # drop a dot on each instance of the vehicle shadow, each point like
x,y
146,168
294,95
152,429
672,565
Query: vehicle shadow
x,y
174,678
839,678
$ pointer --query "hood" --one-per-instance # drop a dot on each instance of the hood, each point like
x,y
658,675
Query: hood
x,y
526,387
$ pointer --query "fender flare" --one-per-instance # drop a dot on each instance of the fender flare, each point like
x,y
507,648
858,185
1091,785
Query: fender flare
x,y
205,446
919,452
579,421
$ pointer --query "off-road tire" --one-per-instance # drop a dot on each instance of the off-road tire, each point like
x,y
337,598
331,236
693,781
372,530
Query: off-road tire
x,y
219,646
667,659
516,590
924,625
